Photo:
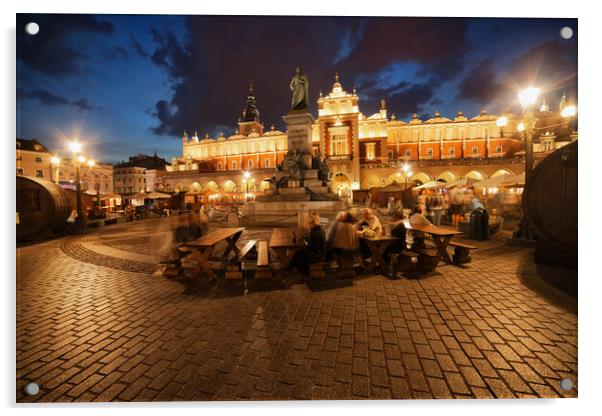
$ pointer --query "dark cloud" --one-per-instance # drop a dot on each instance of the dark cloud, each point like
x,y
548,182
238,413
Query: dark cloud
x,y
551,65
437,43
52,51
480,84
118,52
410,100
47,98
137,46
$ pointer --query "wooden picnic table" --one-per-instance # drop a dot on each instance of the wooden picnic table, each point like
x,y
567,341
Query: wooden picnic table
x,y
283,245
202,248
378,245
441,237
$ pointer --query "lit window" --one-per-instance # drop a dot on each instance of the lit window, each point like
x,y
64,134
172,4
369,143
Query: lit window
x,y
498,148
234,165
370,151
219,165
452,151
19,171
338,144
250,164
475,150
390,154
429,151
39,173
408,153
267,163
38,159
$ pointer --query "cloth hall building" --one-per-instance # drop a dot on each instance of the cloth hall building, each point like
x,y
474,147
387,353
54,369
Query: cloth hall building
x,y
361,151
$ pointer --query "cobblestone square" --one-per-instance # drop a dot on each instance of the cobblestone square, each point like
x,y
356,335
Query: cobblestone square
x,y
96,323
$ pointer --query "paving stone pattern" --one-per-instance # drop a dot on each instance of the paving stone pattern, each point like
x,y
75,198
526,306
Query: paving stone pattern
x,y
96,328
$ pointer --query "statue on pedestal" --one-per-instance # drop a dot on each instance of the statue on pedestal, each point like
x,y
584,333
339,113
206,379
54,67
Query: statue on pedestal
x,y
300,87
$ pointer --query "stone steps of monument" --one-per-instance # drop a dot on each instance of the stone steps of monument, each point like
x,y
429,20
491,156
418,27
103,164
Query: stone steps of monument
x,y
312,182
318,189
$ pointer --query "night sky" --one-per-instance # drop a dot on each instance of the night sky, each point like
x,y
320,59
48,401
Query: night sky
x,y
130,84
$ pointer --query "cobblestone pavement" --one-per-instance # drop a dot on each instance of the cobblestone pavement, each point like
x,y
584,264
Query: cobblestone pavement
x,y
95,325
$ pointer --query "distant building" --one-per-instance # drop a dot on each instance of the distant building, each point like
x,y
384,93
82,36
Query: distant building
x,y
35,159
367,151
138,174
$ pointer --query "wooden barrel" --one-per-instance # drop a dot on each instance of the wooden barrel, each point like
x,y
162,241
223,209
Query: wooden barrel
x,y
41,206
550,204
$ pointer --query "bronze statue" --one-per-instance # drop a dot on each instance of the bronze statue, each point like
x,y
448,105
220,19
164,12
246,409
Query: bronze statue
x,y
300,86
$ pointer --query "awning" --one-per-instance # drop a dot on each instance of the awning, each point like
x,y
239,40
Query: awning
x,y
506,179
157,195
464,182
431,185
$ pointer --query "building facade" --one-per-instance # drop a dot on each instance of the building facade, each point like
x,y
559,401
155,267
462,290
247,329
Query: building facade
x,y
367,151
34,159
138,174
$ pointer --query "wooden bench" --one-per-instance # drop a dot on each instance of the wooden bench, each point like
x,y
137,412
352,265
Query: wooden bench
x,y
461,252
263,261
405,261
428,258
233,269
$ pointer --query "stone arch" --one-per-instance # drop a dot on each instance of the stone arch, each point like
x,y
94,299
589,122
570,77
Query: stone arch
x,y
212,186
476,174
229,186
265,185
501,172
447,176
339,181
196,187
180,187
395,178
420,177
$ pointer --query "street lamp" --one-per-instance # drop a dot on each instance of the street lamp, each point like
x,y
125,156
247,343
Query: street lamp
x,y
407,172
246,179
56,161
78,160
501,123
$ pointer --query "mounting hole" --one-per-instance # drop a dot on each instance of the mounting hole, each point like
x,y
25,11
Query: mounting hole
x,y
566,32
32,389
566,384
32,28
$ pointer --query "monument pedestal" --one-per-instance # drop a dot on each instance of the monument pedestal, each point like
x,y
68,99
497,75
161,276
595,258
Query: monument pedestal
x,y
298,130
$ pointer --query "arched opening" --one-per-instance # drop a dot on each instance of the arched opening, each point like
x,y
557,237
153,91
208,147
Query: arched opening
x,y
180,188
265,185
196,187
447,177
475,174
371,180
229,186
501,172
339,179
420,177
212,186
395,178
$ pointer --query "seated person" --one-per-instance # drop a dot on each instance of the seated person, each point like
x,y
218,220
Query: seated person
x,y
418,218
315,249
343,237
370,221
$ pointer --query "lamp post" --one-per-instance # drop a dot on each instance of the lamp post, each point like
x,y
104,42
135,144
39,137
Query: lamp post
x,y
78,160
246,179
528,98
407,172
56,161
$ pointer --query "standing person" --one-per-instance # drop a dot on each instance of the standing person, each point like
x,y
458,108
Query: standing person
x,y
315,249
418,218
446,212
436,203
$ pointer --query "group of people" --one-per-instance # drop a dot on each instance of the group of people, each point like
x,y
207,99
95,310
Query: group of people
x,y
343,237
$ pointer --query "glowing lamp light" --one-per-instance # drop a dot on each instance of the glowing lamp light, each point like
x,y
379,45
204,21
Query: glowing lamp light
x,y
75,147
502,121
405,168
91,163
246,175
528,96
520,126
55,160
81,159
569,111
